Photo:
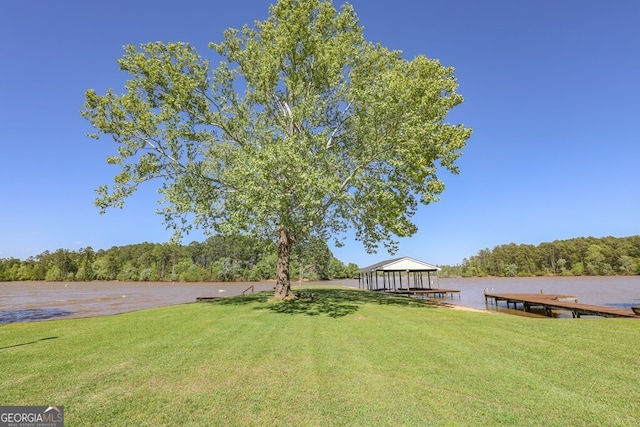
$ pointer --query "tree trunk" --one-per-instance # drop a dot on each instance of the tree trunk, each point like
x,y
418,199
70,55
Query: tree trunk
x,y
283,283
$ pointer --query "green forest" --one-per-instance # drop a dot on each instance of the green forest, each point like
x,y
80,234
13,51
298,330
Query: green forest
x,y
574,257
240,258
218,259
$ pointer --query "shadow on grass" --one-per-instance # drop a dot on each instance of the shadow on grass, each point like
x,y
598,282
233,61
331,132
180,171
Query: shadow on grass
x,y
332,302
28,343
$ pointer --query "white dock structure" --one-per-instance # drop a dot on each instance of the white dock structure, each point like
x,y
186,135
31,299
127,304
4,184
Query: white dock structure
x,y
401,275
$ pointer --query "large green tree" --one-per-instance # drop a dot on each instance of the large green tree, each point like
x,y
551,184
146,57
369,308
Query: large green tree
x,y
300,130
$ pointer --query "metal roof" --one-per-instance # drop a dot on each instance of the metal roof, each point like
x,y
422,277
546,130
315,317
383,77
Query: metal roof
x,y
400,264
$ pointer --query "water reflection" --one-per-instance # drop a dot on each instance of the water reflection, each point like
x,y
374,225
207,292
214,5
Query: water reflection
x,y
13,316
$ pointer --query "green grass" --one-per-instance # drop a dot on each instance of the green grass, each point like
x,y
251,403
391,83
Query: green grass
x,y
338,357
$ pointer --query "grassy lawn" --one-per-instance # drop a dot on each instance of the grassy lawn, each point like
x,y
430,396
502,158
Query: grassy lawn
x,y
344,357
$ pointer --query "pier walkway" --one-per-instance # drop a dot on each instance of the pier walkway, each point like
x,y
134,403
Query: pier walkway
x,y
549,302
427,292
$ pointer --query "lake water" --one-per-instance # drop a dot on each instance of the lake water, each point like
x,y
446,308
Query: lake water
x,y
613,291
24,301
27,301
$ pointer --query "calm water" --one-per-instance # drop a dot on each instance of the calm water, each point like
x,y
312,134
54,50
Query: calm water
x,y
24,301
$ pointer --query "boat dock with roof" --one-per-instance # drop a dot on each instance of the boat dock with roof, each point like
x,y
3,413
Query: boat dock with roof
x,y
406,276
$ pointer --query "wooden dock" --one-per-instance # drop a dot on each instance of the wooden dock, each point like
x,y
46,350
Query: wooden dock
x,y
200,299
427,292
550,302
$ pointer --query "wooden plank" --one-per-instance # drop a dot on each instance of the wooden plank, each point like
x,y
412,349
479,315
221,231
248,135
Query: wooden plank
x,y
559,302
208,298
442,293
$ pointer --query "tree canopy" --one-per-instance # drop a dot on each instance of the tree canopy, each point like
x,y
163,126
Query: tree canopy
x,y
302,130
218,259
573,257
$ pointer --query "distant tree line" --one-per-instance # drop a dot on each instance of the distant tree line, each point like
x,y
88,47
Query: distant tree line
x,y
219,259
574,257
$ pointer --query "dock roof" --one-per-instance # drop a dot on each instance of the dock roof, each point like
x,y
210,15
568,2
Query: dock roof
x,y
400,264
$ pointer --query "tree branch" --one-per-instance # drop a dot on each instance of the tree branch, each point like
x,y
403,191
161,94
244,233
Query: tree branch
x,y
329,142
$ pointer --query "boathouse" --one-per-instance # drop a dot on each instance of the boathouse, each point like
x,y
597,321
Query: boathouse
x,y
398,275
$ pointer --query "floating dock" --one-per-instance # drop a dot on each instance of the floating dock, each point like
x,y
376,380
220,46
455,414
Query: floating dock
x,y
427,292
550,302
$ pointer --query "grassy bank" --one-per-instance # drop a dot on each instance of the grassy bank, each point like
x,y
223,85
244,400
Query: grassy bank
x,y
343,357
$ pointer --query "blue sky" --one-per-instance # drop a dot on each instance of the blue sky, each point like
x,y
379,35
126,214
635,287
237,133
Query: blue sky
x,y
551,90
